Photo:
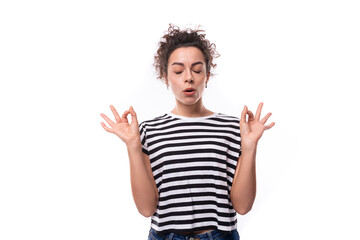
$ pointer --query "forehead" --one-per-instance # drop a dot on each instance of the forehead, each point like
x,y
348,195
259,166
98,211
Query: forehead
x,y
186,55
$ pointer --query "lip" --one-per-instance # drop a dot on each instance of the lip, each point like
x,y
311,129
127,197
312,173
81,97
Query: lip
x,y
189,93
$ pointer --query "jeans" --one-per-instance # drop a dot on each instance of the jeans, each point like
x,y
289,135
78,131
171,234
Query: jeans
x,y
213,235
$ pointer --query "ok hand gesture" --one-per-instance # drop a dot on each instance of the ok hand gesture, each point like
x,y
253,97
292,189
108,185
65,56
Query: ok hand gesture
x,y
252,130
125,131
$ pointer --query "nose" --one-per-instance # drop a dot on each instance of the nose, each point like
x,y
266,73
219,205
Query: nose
x,y
189,76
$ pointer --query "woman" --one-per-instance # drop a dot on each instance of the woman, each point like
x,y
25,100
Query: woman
x,y
190,170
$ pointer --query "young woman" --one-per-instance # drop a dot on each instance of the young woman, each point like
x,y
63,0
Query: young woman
x,y
190,169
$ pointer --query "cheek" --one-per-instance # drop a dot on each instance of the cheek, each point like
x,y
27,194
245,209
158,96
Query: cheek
x,y
175,85
202,76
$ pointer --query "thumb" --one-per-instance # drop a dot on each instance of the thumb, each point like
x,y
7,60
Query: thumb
x,y
133,114
243,114
244,127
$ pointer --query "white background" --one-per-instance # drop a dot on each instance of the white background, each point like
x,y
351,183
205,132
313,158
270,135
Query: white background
x,y
62,63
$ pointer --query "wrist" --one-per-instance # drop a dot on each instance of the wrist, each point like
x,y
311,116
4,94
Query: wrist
x,y
134,143
248,146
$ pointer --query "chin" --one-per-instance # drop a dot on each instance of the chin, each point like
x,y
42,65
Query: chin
x,y
190,102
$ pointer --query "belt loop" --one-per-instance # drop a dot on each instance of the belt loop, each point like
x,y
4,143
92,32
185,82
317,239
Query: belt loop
x,y
171,236
210,235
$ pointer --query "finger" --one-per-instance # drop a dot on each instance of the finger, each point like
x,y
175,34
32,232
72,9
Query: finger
x,y
243,115
258,111
105,127
133,114
108,120
269,126
251,116
117,117
124,116
263,121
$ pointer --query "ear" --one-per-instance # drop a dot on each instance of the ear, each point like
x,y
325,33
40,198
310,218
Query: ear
x,y
165,79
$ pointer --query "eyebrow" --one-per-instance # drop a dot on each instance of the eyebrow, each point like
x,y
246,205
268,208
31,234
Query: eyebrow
x,y
177,63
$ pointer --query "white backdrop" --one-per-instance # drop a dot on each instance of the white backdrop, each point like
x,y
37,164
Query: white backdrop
x,y
62,63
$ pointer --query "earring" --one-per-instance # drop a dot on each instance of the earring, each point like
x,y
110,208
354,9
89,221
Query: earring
x,y
206,85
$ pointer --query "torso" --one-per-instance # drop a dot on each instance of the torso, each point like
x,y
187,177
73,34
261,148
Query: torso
x,y
220,165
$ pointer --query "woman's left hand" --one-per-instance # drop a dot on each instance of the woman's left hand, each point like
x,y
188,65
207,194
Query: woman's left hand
x,y
252,130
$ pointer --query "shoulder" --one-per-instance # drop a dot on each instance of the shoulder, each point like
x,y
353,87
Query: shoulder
x,y
152,121
228,117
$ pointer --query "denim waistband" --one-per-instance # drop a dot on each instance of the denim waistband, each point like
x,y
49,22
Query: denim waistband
x,y
213,234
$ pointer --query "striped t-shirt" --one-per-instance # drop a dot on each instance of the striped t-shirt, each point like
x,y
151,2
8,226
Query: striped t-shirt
x,y
193,160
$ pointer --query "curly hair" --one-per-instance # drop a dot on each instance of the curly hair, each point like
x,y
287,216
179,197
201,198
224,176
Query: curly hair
x,y
175,38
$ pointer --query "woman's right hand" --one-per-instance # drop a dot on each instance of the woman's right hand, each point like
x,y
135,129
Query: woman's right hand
x,y
121,128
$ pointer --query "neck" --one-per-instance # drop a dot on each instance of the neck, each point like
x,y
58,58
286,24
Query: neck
x,y
194,110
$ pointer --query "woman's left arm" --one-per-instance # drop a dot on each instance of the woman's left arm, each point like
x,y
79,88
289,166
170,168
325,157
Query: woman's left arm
x,y
243,188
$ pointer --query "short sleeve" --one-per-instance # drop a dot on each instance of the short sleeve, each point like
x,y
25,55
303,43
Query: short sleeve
x,y
239,135
239,149
144,145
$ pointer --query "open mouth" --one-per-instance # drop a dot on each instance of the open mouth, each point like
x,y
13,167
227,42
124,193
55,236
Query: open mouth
x,y
189,92
190,89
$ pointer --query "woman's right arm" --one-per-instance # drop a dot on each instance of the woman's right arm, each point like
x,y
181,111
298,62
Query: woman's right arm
x,y
143,186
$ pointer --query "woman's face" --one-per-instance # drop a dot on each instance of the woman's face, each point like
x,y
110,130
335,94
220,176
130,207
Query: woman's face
x,y
184,64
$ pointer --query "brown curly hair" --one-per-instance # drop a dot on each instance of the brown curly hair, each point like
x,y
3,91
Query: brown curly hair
x,y
175,38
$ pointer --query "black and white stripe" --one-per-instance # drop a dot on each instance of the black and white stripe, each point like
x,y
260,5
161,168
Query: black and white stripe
x,y
193,161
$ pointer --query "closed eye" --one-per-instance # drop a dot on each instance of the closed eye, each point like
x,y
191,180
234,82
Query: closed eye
x,y
194,71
